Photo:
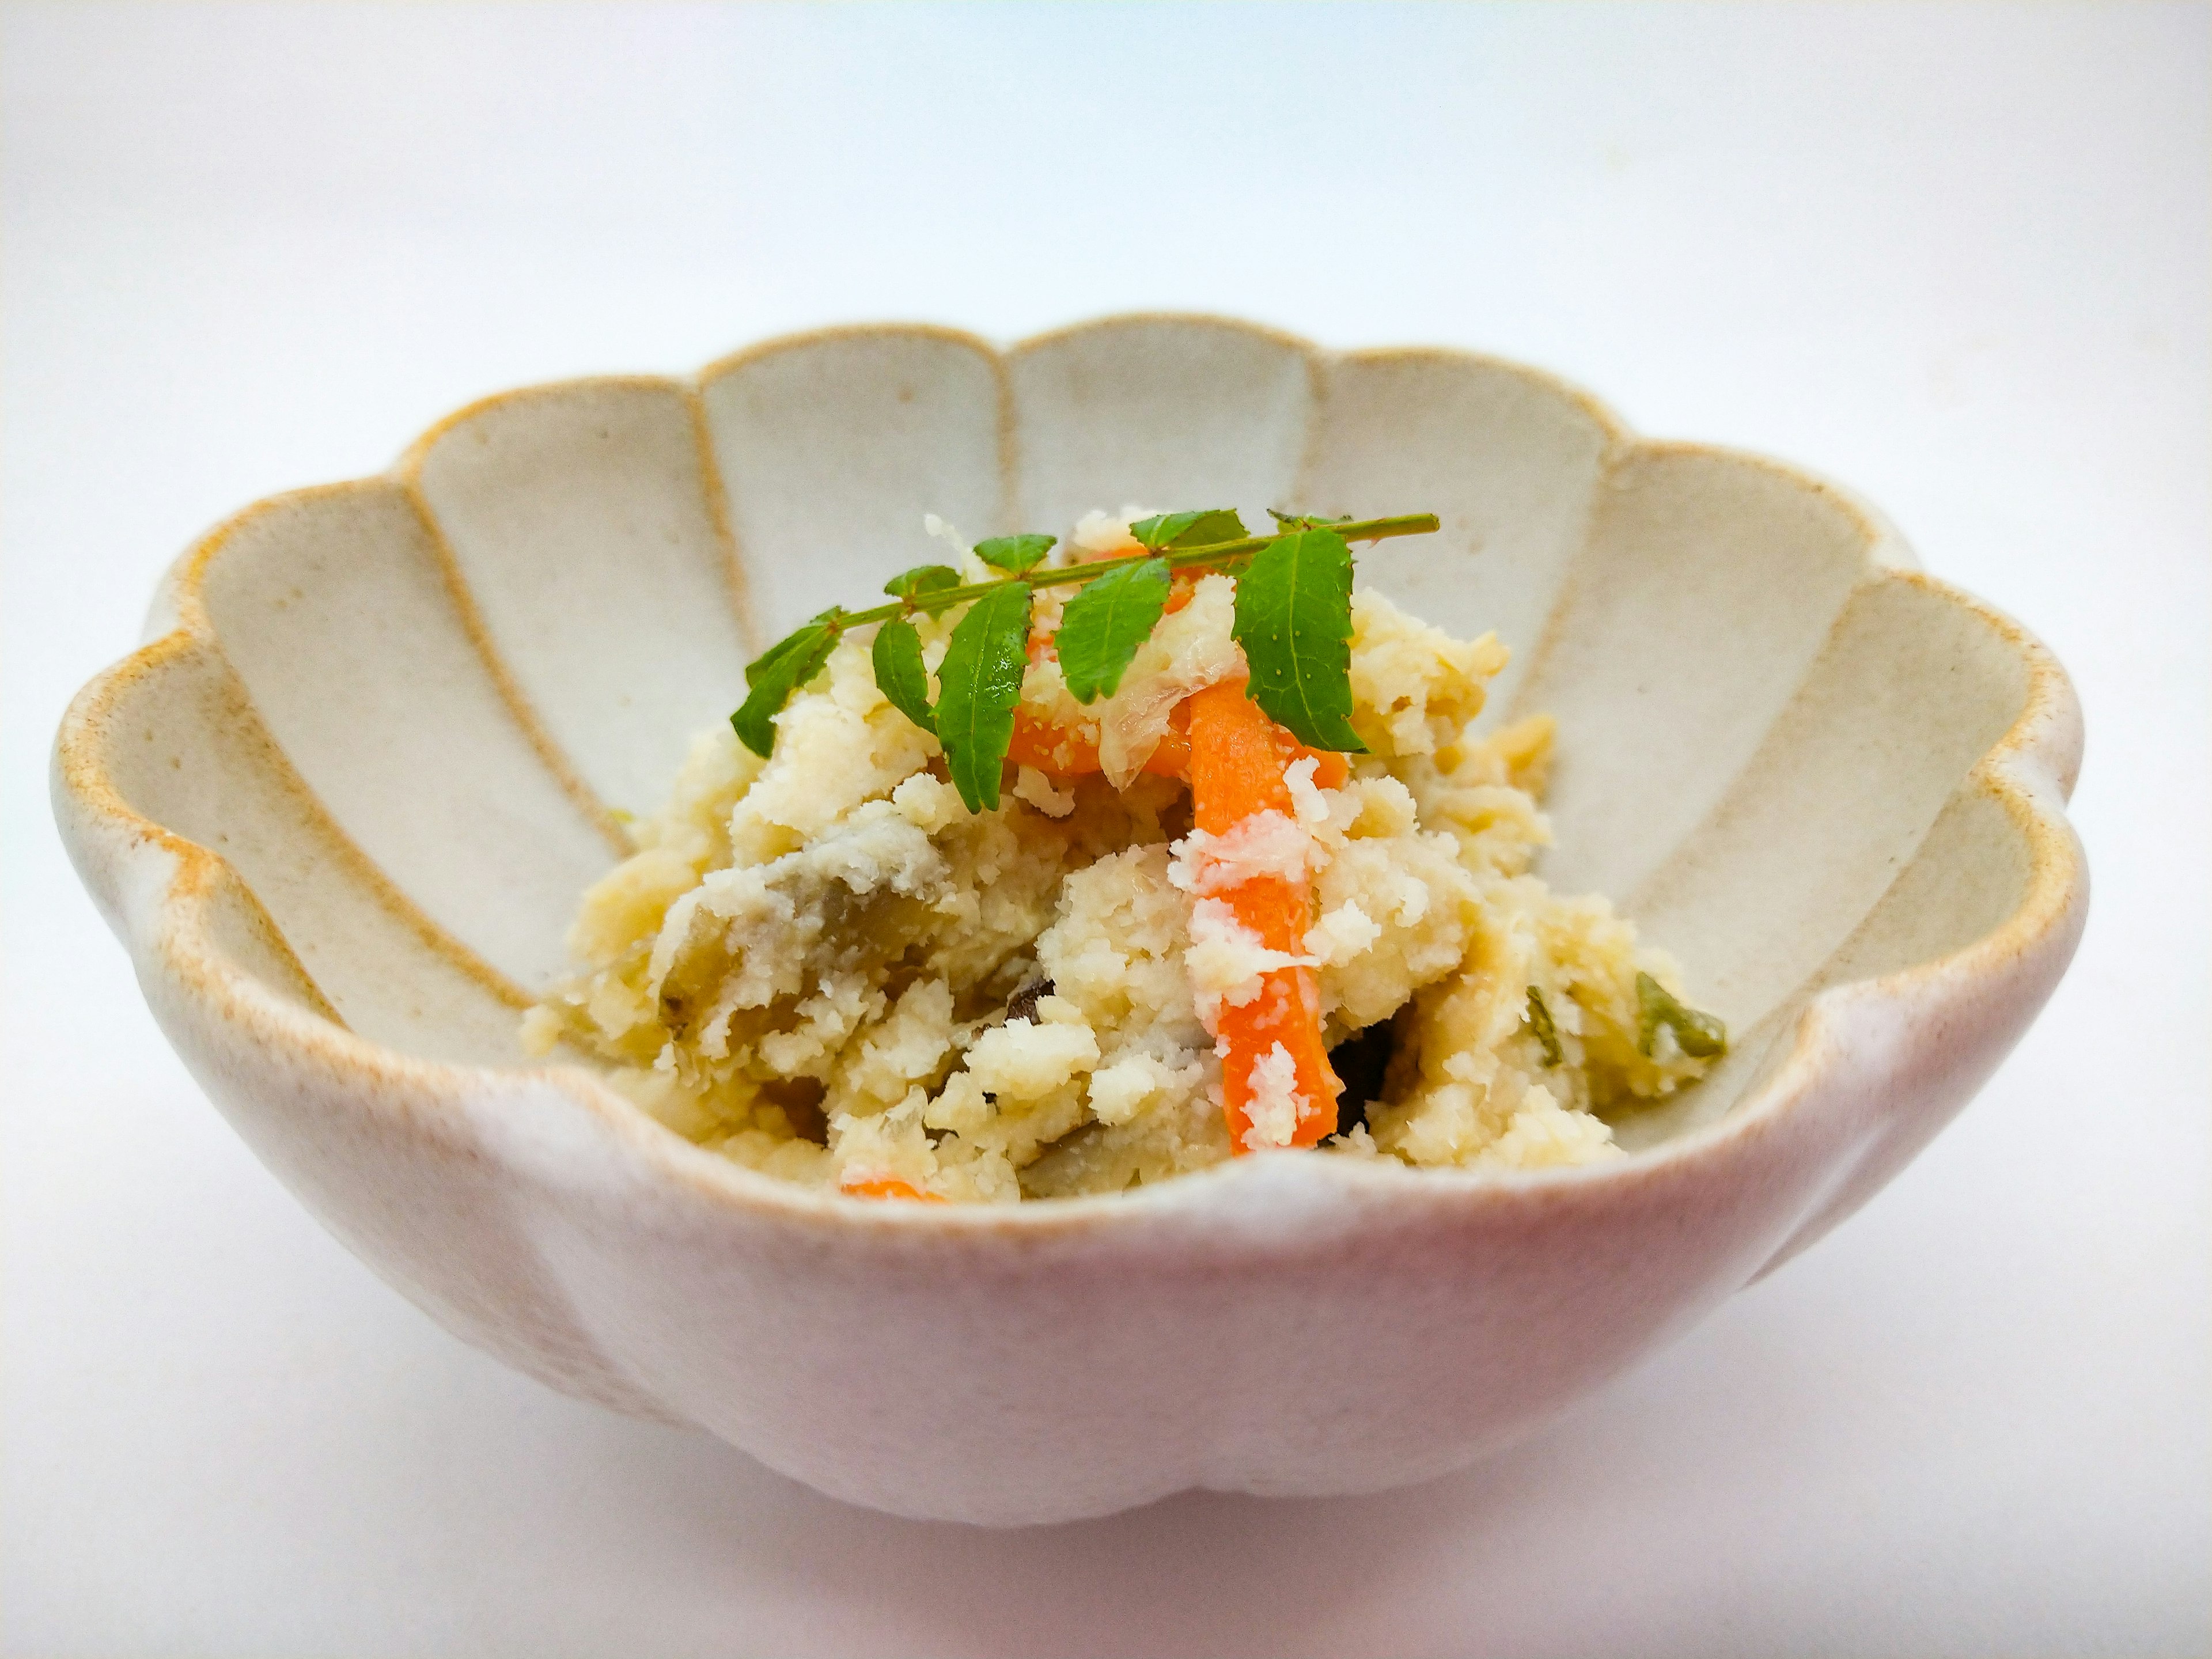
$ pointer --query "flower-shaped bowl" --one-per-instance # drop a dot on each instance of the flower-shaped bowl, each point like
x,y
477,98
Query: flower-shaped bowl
x,y
340,807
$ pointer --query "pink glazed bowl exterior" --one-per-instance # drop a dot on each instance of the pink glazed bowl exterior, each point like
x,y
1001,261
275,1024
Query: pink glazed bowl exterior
x,y
340,806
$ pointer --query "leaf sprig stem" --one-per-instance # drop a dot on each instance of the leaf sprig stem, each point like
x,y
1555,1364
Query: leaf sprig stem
x,y
1215,553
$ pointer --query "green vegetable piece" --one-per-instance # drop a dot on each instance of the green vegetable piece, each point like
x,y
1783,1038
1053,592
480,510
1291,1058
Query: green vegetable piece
x,y
979,684
1547,1035
1165,533
900,675
922,579
790,642
1014,554
1700,1035
786,665
1294,621
1302,520
1105,623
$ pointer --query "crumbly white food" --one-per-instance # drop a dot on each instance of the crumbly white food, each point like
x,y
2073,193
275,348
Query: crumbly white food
x,y
808,962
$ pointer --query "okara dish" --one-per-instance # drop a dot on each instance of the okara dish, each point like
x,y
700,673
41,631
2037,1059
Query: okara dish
x,y
849,962
341,806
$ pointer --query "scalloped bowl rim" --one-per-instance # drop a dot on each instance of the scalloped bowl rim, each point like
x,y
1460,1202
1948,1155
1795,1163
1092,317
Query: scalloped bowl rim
x,y
2011,772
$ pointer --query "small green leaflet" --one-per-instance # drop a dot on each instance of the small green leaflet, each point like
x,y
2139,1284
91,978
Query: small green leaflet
x,y
1014,554
900,675
1294,621
1697,1034
790,642
979,682
781,670
1164,532
1105,623
922,579
1547,1035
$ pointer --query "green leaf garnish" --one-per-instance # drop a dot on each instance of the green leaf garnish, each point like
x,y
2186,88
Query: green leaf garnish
x,y
1294,621
979,682
1547,1035
781,670
1700,1035
1165,531
1105,623
766,661
900,675
1292,671
1014,554
922,579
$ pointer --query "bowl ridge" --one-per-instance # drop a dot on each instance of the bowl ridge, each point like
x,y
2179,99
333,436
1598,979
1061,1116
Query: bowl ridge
x,y
585,529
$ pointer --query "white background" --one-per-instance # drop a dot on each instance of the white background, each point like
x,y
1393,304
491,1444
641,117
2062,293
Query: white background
x,y
1958,259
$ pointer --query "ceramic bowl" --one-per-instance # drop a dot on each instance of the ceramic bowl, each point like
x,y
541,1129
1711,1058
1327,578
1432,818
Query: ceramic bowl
x,y
340,807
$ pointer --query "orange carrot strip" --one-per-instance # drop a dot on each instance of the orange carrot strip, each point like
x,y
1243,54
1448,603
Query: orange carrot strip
x,y
1237,759
1053,749
886,1186
1239,756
